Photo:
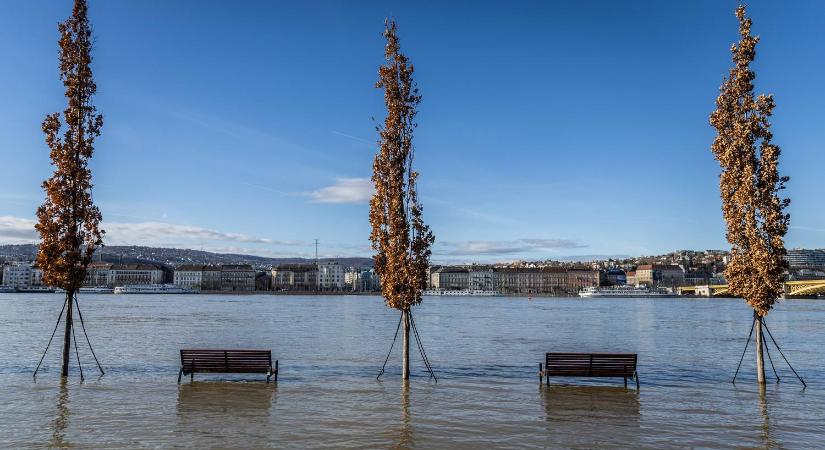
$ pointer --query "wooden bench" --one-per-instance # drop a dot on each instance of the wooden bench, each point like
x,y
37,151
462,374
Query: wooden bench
x,y
616,365
226,361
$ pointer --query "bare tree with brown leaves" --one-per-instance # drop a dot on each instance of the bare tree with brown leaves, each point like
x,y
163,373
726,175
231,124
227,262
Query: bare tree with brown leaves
x,y
399,236
750,185
68,220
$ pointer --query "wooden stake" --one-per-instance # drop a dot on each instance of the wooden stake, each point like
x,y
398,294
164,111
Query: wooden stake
x,y
760,360
67,335
405,362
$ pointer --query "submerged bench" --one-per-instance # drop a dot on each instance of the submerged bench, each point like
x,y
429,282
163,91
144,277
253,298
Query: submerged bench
x,y
227,361
613,365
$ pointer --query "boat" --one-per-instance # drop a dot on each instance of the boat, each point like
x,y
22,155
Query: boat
x,y
153,289
626,292
90,290
460,293
7,289
35,289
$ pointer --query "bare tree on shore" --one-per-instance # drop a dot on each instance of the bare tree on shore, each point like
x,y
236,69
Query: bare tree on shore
x,y
399,236
68,219
749,186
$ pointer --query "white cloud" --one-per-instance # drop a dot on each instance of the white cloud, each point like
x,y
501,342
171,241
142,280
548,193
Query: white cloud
x,y
15,230
345,190
520,246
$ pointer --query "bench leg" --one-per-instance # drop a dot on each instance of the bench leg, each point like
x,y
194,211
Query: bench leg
x,y
625,382
276,370
180,374
541,375
192,377
636,376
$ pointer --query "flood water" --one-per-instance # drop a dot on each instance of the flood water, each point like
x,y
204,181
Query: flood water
x,y
485,352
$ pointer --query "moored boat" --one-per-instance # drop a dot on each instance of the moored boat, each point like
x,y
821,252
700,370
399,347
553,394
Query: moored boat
x,y
35,289
90,290
460,293
153,289
626,292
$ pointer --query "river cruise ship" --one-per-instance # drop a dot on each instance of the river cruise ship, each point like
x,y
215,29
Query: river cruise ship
x,y
153,289
626,292
90,290
460,293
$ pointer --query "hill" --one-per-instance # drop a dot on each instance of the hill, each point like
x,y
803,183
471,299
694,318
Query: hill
x,y
174,256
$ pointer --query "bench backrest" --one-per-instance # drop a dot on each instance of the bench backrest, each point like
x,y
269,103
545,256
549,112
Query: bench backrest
x,y
591,364
226,361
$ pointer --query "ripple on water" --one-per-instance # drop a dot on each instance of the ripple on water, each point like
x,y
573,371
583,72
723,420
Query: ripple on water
x,y
485,352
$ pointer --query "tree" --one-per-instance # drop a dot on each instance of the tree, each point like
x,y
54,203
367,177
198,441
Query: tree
x,y
399,236
68,219
749,186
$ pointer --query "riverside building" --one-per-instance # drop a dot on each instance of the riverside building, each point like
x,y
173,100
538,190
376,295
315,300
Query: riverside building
x,y
296,277
237,278
113,275
655,275
22,275
330,276
800,258
189,276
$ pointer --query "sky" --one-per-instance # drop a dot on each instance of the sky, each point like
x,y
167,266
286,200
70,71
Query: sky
x,y
548,130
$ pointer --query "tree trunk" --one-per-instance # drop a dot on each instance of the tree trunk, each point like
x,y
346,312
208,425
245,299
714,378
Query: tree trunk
x,y
405,348
67,335
760,361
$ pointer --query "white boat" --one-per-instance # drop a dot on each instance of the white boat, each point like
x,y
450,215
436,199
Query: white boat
x,y
626,292
153,289
90,290
35,289
460,293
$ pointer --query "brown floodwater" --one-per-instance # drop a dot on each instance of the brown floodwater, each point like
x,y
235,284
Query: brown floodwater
x,y
485,352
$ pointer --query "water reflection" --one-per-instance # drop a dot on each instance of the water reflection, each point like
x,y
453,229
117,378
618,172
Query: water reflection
x,y
225,398
591,416
61,420
768,441
405,437
208,411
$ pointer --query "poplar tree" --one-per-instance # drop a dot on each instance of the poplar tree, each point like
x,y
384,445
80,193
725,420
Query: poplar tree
x,y
399,236
68,219
749,186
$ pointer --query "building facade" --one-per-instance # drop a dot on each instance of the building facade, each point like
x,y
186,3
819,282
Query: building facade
x,y
113,275
189,276
361,280
801,258
450,278
211,278
296,277
330,276
578,279
237,278
660,275
22,275
481,278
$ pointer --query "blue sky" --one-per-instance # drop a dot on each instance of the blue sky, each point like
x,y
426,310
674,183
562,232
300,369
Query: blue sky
x,y
547,129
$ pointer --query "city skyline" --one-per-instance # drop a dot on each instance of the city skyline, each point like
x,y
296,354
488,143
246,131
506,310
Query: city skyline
x,y
545,132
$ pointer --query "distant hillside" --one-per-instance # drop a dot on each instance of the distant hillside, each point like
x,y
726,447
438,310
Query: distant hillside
x,y
173,256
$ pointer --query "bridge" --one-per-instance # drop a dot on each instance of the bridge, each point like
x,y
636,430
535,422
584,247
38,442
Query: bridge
x,y
792,289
